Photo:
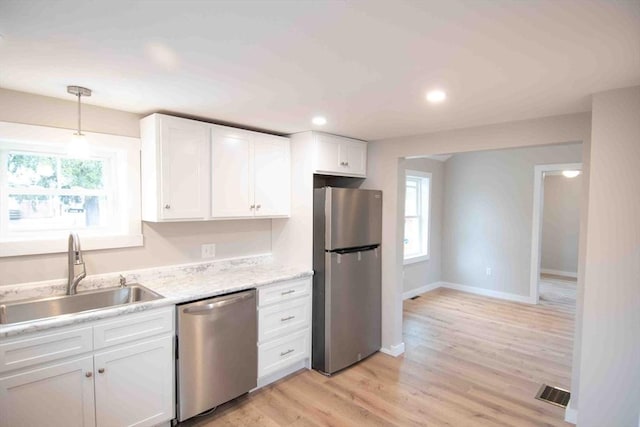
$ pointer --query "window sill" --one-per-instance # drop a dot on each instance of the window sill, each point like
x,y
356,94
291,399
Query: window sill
x,y
59,245
415,259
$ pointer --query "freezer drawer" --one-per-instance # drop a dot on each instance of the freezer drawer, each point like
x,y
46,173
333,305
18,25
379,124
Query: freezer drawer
x,y
217,351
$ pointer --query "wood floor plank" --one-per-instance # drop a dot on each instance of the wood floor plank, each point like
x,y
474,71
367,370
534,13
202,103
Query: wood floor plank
x,y
470,360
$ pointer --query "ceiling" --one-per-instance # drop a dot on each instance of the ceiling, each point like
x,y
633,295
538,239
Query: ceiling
x,y
365,65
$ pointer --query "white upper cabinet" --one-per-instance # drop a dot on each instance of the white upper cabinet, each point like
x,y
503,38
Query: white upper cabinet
x,y
336,155
271,166
231,174
175,168
250,174
197,171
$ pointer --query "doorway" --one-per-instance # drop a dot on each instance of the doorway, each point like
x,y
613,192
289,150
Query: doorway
x,y
555,231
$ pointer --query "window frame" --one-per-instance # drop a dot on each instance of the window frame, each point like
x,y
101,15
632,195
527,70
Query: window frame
x,y
424,214
123,155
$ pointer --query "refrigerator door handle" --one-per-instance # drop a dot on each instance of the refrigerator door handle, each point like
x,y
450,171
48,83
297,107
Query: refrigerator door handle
x,y
352,250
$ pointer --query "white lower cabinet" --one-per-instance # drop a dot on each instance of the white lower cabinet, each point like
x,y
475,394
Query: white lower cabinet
x,y
59,394
284,329
134,384
128,384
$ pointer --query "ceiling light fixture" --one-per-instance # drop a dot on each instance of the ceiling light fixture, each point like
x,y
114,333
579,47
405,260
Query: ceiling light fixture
x,y
79,147
319,121
570,174
436,96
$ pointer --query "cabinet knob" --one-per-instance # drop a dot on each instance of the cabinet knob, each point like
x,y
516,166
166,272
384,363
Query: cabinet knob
x,y
167,206
88,374
101,370
258,206
252,207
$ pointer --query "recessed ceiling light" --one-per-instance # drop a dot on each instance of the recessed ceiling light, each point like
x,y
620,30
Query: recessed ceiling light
x,y
570,174
435,96
319,121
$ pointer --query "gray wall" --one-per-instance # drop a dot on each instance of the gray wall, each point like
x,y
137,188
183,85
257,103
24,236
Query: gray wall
x,y
164,244
609,386
383,174
425,272
488,206
561,223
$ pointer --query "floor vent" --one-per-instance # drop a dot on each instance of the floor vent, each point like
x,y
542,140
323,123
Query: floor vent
x,y
416,297
554,395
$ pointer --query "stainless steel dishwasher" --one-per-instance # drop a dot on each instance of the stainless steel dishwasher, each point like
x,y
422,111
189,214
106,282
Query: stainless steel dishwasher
x,y
217,351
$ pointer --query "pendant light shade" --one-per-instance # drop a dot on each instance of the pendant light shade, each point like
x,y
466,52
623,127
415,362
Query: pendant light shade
x,y
78,146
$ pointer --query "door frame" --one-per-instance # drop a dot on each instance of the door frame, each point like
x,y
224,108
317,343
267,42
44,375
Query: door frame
x,y
536,229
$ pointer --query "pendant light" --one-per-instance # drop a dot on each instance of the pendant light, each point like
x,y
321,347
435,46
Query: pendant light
x,y
79,147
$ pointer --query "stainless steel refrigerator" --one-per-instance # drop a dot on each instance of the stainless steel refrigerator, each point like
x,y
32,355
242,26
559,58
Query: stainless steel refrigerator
x,y
347,225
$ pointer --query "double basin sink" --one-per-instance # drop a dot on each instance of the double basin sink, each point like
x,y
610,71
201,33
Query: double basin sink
x,y
42,308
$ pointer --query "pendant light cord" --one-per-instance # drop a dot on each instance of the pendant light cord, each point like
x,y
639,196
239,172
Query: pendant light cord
x,y
79,114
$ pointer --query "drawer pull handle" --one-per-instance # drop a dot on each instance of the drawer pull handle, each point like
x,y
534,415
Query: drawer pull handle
x,y
284,353
284,319
290,291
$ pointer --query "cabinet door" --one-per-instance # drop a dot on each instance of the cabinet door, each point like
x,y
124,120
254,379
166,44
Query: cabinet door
x,y
356,158
184,158
330,154
231,174
134,384
55,395
272,176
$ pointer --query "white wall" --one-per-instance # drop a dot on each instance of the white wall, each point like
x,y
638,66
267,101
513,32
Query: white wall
x,y
488,214
426,272
293,238
561,223
384,174
609,386
165,244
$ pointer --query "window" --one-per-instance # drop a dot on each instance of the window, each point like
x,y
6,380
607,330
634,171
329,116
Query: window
x,y
416,216
45,194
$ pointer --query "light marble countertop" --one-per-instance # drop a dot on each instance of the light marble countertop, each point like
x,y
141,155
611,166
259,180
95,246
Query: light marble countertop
x,y
177,284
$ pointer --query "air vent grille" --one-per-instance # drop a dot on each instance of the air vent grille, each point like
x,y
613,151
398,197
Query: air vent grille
x,y
554,395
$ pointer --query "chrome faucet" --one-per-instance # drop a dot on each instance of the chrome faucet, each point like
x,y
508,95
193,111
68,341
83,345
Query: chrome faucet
x,y
75,263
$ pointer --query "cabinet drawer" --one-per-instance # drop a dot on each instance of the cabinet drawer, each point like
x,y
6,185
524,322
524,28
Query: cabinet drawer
x,y
281,319
44,347
283,291
133,327
282,352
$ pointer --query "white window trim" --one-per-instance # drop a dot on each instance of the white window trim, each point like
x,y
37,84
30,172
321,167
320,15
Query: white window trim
x,y
427,256
126,146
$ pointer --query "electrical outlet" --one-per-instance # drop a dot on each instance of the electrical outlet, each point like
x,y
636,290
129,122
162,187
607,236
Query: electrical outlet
x,y
209,250
488,271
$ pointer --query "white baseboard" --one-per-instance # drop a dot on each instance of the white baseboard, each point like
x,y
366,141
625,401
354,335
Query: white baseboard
x,y
571,414
420,290
488,292
470,289
573,274
393,350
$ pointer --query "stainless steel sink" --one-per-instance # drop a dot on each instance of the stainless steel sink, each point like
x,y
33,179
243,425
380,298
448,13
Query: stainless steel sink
x,y
34,309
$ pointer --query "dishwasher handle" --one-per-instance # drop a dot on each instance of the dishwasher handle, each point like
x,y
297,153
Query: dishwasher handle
x,y
204,309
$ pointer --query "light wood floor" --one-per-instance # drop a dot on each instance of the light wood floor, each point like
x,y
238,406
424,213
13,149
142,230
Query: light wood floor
x,y
469,361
